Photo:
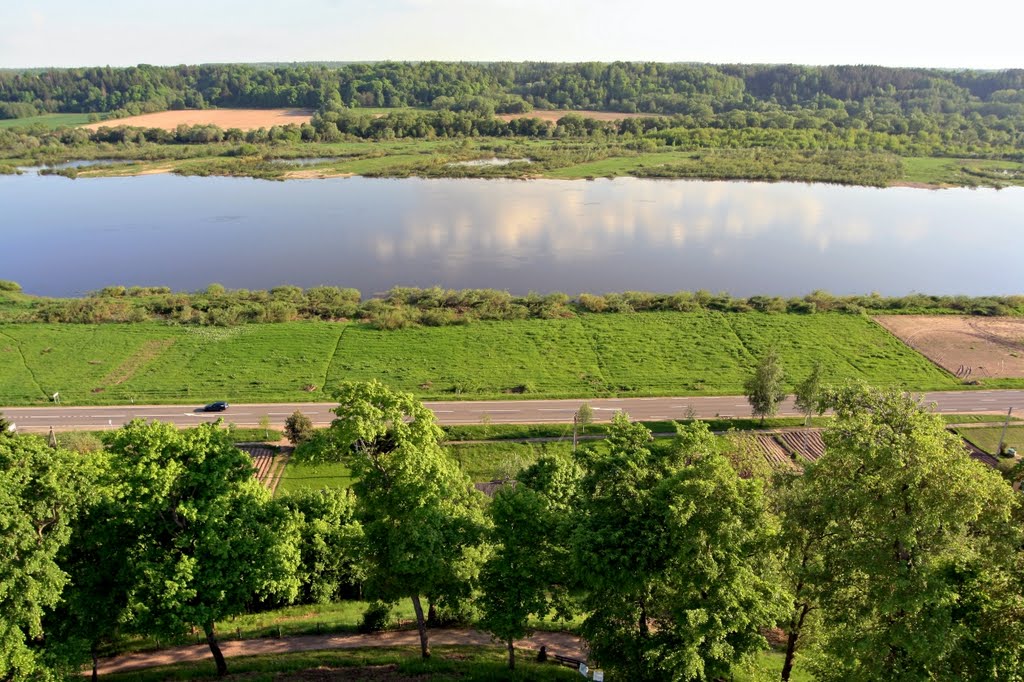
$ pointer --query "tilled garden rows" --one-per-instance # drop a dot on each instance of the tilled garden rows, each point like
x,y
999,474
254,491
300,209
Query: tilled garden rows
x,y
269,462
791,449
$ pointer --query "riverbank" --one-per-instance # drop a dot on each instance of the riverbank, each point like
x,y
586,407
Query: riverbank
x,y
523,159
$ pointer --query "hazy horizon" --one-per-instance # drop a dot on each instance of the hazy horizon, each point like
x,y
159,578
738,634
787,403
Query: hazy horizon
x,y
65,33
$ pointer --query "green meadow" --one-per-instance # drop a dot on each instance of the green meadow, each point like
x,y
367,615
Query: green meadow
x,y
591,355
52,121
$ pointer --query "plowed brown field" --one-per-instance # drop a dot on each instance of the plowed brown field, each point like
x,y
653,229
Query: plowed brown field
x,y
969,347
246,119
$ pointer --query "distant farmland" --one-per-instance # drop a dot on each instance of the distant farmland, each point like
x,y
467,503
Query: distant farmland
x,y
250,119
245,119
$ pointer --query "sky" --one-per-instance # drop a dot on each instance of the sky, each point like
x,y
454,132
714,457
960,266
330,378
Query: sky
x,y
935,33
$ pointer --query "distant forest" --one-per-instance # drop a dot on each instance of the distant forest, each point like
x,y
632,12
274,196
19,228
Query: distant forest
x,y
656,88
894,110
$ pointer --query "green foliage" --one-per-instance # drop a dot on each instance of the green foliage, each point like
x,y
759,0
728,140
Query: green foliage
x,y
766,388
206,540
376,617
525,574
658,529
421,518
8,285
329,542
920,549
809,393
41,493
298,428
404,307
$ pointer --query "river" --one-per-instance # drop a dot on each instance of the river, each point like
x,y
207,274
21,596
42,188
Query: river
x,y
66,237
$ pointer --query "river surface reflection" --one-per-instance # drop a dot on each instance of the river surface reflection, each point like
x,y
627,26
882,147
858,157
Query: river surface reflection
x,y
64,237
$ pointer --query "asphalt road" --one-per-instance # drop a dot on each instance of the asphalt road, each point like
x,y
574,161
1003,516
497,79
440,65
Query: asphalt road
x,y
41,419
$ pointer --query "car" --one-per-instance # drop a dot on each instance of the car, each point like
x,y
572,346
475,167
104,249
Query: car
x,y
218,406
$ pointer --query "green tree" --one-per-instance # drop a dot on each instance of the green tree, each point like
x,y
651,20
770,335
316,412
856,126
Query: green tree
x,y
582,418
205,538
920,545
329,543
809,393
801,543
524,575
97,560
41,492
765,389
672,549
421,517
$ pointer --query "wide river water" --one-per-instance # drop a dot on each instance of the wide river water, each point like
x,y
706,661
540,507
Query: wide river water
x,y
67,237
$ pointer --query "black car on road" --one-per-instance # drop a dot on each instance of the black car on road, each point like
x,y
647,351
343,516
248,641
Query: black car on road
x,y
218,406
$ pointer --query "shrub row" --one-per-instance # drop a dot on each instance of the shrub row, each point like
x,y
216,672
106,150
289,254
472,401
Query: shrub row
x,y
404,306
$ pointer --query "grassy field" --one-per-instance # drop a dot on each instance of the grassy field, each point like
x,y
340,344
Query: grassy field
x,y
962,172
305,476
699,353
482,462
987,437
47,120
713,353
540,357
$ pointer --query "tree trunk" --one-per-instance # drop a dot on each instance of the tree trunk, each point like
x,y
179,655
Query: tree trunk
x,y
218,657
431,613
795,626
642,621
511,655
422,626
95,664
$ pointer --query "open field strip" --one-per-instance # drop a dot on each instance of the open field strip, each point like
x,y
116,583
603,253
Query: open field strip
x,y
46,120
244,119
591,355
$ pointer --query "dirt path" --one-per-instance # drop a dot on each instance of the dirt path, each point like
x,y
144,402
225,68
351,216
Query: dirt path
x,y
556,642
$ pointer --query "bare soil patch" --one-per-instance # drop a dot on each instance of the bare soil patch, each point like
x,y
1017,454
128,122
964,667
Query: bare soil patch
x,y
246,119
559,113
969,347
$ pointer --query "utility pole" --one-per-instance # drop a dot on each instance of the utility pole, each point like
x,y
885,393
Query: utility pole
x,y
1002,436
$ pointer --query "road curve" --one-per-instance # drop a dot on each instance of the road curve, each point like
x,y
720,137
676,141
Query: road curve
x,y
41,419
